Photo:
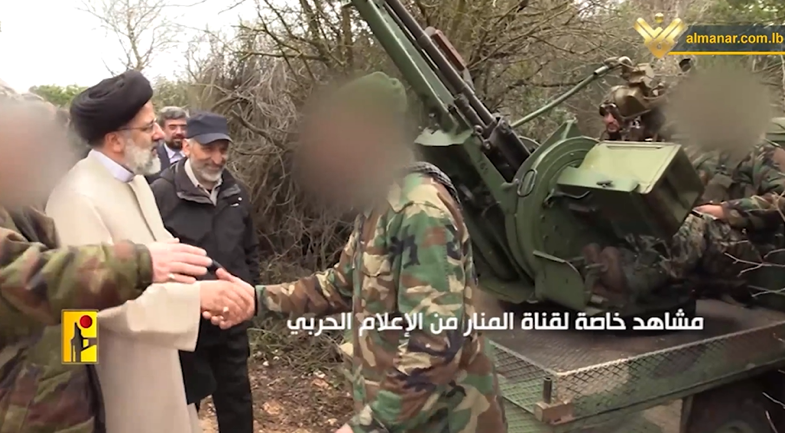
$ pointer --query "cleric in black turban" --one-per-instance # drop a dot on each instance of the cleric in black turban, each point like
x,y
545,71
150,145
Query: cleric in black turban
x,y
109,105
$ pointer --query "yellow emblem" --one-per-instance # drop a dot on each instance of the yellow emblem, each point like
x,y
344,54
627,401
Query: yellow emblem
x,y
660,42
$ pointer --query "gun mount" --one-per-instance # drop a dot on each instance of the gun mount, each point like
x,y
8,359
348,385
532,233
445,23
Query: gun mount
x,y
532,207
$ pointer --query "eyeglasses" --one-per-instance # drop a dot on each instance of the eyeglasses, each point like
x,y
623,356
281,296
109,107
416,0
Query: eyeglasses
x,y
150,127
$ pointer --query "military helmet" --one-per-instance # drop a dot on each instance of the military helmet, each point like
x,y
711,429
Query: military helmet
x,y
630,101
640,94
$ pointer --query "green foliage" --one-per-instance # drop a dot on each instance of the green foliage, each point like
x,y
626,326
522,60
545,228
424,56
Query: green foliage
x,y
747,11
60,96
166,93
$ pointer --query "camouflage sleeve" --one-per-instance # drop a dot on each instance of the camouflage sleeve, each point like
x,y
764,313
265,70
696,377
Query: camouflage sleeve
x,y
324,293
430,284
36,283
762,210
756,212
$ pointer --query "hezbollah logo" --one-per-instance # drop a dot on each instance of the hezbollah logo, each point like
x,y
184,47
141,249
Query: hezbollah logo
x,y
660,42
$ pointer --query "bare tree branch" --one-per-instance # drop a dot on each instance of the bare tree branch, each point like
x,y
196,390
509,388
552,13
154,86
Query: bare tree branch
x,y
141,27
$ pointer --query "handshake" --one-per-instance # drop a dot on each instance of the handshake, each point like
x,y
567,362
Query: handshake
x,y
226,302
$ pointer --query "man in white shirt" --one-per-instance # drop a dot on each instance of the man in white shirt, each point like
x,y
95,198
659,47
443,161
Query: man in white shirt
x,y
104,198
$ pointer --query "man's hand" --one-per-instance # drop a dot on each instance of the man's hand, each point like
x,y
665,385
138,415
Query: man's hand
x,y
344,429
176,262
221,317
231,302
714,210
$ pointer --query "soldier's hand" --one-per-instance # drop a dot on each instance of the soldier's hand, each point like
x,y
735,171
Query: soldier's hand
x,y
227,300
176,262
223,320
714,210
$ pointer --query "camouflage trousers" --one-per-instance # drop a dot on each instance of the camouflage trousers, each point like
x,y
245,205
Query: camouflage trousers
x,y
703,247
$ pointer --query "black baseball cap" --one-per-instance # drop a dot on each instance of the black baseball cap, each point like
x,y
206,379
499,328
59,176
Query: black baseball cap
x,y
206,128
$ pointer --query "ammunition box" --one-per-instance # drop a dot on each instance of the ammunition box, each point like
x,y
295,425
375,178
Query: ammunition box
x,y
644,188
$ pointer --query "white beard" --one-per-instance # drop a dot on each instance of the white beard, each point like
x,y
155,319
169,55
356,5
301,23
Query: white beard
x,y
141,161
210,176
203,174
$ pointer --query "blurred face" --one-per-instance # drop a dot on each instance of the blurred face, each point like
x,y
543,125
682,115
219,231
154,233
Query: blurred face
x,y
27,133
349,154
611,124
134,145
207,160
174,133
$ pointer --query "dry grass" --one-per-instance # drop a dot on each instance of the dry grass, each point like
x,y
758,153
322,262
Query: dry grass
x,y
296,382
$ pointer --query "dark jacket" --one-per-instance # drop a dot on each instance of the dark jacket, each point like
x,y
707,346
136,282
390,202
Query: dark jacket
x,y
225,230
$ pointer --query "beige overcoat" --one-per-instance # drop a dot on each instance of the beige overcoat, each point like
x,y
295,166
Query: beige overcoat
x,y
139,369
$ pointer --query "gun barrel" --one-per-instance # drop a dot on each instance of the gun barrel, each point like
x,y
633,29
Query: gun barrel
x,y
597,74
484,116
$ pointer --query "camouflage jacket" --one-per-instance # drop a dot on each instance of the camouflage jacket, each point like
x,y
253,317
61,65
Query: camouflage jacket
x,y
38,394
748,188
411,258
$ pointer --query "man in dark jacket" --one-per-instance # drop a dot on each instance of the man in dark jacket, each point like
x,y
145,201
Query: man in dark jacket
x,y
172,121
202,204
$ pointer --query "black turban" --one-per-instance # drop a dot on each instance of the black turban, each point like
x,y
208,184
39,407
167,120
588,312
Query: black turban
x,y
109,105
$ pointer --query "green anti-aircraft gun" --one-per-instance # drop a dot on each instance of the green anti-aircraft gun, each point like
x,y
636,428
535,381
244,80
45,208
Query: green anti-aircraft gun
x,y
531,208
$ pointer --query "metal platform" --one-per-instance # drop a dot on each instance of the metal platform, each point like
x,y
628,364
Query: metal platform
x,y
661,419
595,373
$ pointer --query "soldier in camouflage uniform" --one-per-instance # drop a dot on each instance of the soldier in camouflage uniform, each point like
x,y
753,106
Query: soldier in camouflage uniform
x,y
37,281
633,111
760,211
725,235
409,254
37,393
618,127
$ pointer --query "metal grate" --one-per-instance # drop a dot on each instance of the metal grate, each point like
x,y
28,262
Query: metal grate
x,y
599,373
662,419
